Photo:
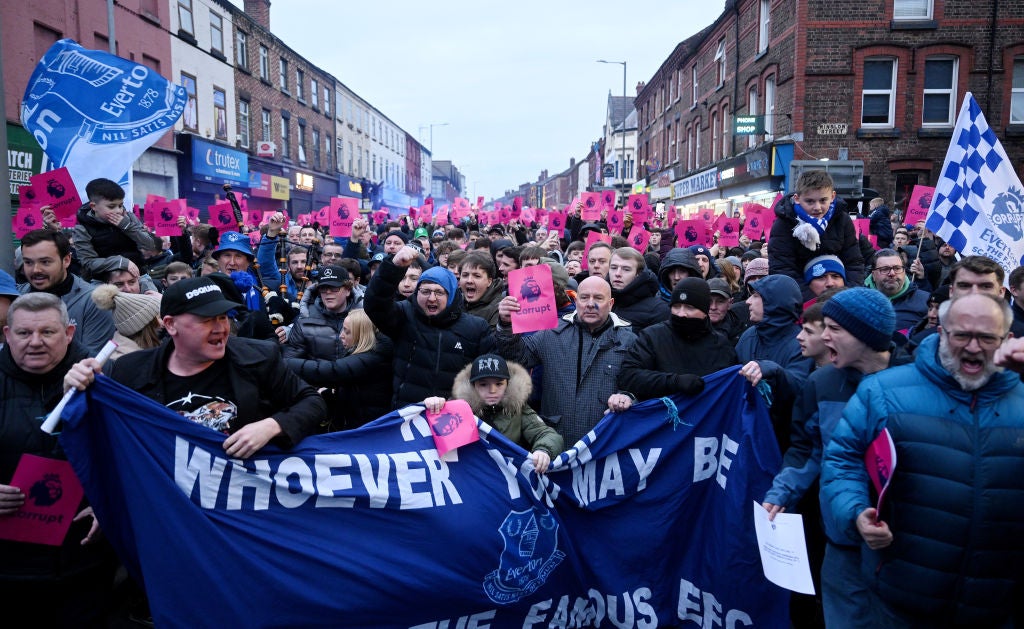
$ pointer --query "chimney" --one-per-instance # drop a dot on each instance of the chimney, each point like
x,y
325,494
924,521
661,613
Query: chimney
x,y
572,162
639,86
259,11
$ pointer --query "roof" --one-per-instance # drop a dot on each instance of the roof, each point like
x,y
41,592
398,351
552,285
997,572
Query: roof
x,y
618,108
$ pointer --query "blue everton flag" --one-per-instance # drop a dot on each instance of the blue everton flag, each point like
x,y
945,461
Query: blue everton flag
x,y
96,113
646,522
978,205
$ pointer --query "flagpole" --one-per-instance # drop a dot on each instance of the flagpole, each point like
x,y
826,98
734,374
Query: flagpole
x,y
6,216
51,420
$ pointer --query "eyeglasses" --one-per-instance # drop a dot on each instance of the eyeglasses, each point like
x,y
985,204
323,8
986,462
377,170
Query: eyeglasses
x,y
986,341
426,293
889,270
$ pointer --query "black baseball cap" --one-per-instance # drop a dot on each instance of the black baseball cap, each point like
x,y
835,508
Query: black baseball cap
x,y
200,296
489,366
332,275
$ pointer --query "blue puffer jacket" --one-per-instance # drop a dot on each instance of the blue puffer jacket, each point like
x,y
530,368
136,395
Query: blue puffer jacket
x,y
956,502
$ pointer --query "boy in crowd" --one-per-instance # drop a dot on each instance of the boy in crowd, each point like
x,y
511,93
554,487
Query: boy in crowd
x,y
105,229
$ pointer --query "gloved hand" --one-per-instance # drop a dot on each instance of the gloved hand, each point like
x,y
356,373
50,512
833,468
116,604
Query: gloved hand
x,y
689,384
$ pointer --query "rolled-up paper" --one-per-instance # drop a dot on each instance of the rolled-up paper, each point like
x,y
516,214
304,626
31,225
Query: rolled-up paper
x,y
54,417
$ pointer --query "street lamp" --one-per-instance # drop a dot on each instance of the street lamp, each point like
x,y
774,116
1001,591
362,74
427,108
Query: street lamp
x,y
432,125
622,173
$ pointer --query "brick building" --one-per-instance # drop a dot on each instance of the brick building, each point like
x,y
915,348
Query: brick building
x,y
879,82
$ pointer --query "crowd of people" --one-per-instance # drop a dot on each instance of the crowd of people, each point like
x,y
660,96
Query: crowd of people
x,y
273,337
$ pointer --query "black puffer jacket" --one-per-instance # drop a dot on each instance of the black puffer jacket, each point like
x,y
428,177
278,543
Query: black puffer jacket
x,y
316,335
639,303
788,256
361,383
24,398
429,351
96,239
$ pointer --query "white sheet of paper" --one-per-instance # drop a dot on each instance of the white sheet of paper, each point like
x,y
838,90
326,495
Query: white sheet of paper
x,y
783,550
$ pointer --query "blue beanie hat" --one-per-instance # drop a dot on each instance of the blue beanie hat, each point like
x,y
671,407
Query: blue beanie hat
x,y
234,241
443,277
865,313
7,286
700,250
821,265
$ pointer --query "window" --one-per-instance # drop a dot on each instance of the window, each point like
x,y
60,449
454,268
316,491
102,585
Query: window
x,y
341,154
216,33
220,114
300,85
314,94
720,62
879,98
242,50
189,119
283,74
752,111
764,19
286,145
693,83
264,63
939,107
672,88
1017,92
769,108
696,143
328,143
265,125
302,141
912,10
714,136
350,154
185,17
689,148
327,101
316,147
670,156
679,143
725,132
243,124
375,168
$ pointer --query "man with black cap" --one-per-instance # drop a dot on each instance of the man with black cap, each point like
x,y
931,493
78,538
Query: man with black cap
x,y
433,337
672,356
234,385
731,319
316,334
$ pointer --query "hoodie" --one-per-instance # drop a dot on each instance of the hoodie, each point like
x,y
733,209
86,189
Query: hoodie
x,y
675,259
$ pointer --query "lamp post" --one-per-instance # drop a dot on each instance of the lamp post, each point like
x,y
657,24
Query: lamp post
x,y
431,126
622,169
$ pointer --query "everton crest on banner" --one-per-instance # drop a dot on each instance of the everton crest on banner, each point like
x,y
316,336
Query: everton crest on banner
x,y
645,522
96,113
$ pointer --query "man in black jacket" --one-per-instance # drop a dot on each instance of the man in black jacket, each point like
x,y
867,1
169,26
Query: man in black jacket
x,y
235,385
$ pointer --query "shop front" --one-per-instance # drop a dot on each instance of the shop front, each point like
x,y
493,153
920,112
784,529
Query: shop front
x,y
25,158
268,192
205,167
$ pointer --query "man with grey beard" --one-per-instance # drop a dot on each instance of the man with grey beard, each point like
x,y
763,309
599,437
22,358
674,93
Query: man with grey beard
x,y
946,546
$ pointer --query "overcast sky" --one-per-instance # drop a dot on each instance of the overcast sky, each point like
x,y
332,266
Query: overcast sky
x,y
517,82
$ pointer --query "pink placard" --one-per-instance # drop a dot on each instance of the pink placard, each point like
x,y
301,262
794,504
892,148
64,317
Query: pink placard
x,y
29,217
917,207
862,226
556,220
639,238
517,205
880,463
56,189
254,238
707,215
753,224
222,215
165,217
442,215
380,216
591,206
535,290
729,232
322,215
608,200
614,219
505,215
52,497
528,215
479,202
343,212
454,426
192,215
691,232
592,237
639,207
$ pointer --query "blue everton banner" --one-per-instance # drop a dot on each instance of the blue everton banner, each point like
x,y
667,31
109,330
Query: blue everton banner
x,y
96,113
646,522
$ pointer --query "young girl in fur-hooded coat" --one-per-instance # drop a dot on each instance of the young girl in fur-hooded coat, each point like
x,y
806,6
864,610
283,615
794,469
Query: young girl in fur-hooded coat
x,y
497,392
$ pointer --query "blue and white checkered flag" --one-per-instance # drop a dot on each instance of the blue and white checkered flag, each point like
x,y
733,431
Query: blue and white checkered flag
x,y
978,205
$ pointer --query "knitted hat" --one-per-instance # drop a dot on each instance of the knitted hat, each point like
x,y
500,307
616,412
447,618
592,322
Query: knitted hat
x,y
443,278
131,312
865,313
756,268
817,267
692,291
398,234
700,250
489,366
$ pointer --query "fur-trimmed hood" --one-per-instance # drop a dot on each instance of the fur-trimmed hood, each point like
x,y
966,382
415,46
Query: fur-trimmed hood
x,y
518,392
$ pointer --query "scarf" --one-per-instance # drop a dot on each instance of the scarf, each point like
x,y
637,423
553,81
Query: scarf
x,y
808,229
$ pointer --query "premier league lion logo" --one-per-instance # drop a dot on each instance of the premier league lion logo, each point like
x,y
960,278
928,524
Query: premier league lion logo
x,y
727,228
530,290
691,234
55,188
342,213
166,215
1008,212
590,202
445,424
46,491
556,221
530,555
29,221
753,222
224,219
